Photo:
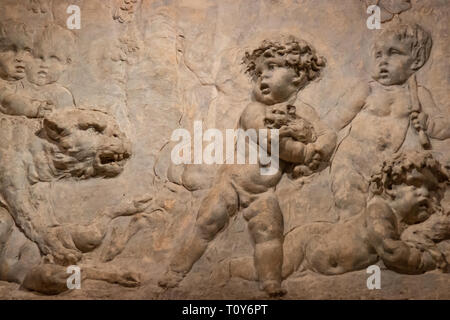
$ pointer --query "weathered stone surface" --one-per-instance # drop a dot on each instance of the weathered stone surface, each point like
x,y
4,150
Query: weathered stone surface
x,y
87,176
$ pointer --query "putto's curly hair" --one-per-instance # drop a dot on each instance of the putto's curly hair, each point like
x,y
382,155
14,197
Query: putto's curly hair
x,y
394,171
297,54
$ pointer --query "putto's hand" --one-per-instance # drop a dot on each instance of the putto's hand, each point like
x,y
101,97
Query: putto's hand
x,y
285,131
419,120
45,108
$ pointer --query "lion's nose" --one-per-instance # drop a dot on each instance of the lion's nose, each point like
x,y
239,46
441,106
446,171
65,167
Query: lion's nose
x,y
268,121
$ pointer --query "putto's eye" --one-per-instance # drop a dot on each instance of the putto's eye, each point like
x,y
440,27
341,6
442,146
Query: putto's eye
x,y
55,58
28,50
394,51
378,54
415,182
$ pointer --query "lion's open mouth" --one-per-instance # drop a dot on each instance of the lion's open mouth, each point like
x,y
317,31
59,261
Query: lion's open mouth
x,y
110,158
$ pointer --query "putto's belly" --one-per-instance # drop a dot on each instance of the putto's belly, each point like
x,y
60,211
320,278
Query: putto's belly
x,y
370,140
379,134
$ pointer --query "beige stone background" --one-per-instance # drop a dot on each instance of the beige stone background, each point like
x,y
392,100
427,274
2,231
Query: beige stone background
x,y
188,67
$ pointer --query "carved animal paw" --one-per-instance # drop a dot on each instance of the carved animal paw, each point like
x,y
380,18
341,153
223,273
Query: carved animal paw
x,y
171,279
128,279
47,279
65,257
61,247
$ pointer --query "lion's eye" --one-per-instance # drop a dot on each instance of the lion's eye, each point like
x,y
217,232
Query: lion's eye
x,y
91,127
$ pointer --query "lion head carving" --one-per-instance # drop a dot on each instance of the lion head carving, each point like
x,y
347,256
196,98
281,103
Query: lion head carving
x,y
85,143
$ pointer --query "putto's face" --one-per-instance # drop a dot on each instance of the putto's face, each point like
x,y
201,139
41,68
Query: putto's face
x,y
393,61
417,198
46,66
13,60
274,81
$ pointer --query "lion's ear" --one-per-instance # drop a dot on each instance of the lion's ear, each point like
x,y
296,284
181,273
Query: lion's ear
x,y
52,129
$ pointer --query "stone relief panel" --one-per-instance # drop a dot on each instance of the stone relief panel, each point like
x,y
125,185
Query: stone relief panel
x,y
88,177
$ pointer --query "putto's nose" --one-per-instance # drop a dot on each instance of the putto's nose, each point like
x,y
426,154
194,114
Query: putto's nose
x,y
423,192
265,74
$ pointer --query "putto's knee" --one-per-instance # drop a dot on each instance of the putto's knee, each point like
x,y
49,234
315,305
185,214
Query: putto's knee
x,y
207,228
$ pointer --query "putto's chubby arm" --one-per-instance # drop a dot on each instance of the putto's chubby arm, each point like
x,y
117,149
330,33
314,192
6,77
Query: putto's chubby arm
x,y
294,151
14,104
253,116
438,124
289,149
348,106
384,236
297,152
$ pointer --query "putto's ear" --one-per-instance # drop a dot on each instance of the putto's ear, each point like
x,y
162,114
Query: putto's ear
x,y
291,109
69,60
419,61
300,80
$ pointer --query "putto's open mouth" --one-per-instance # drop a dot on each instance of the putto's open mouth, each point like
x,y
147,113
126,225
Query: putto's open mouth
x,y
20,68
42,73
384,72
265,89
424,205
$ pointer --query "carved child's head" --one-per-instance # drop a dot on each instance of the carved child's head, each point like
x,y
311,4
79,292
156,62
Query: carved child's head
x,y
16,43
398,52
280,68
53,54
413,182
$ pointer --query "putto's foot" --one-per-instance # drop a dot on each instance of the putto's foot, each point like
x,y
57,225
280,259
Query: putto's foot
x,y
273,288
171,279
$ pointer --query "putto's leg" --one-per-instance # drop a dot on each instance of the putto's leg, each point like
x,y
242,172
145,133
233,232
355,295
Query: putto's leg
x,y
349,189
213,216
266,228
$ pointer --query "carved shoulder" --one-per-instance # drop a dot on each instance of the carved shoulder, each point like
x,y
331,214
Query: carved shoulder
x,y
253,116
381,221
348,105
